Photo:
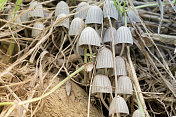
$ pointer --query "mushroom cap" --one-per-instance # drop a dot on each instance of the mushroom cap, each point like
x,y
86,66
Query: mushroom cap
x,y
133,15
37,10
118,105
24,17
137,113
76,26
101,84
37,25
62,8
110,10
65,22
124,85
104,58
107,35
11,16
94,15
120,66
124,36
89,37
82,10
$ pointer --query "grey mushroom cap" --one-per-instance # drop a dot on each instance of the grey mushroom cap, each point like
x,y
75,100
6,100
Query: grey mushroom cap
x,y
110,10
124,85
94,15
37,10
133,15
101,84
65,22
37,25
76,26
137,113
120,66
124,36
89,37
62,8
107,35
118,105
104,58
82,10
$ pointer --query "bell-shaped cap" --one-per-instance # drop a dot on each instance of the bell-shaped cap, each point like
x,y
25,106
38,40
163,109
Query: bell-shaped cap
x,y
110,10
104,58
107,35
36,32
64,22
89,37
124,85
76,26
11,16
94,15
37,10
120,66
137,113
62,8
124,36
133,15
82,10
118,105
101,84
24,17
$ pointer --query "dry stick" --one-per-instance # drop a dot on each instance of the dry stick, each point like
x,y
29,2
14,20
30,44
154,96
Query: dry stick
x,y
136,82
104,103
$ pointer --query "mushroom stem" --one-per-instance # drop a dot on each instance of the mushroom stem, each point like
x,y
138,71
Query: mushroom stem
x,y
103,101
90,50
122,50
106,71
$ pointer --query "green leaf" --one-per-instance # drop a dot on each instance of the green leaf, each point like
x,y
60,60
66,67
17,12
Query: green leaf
x,y
17,6
2,3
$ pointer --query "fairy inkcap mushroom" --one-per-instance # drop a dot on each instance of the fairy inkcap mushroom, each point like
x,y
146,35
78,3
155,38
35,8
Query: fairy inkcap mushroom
x,y
62,8
39,25
124,85
101,84
107,35
118,106
94,15
133,15
89,37
124,36
110,10
104,58
37,10
137,113
76,26
82,10
64,22
120,66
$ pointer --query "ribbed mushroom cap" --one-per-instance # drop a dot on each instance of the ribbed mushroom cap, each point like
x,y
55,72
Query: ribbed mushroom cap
x,y
65,22
124,85
24,17
104,58
62,8
89,37
94,15
11,16
76,26
137,113
82,10
107,35
118,105
37,10
133,15
124,36
101,84
110,10
120,66
37,25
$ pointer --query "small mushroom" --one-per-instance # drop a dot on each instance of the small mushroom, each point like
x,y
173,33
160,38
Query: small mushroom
x,y
76,26
94,15
65,22
36,32
110,10
124,85
101,84
118,106
137,113
104,58
37,10
62,8
133,15
82,10
120,66
107,35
